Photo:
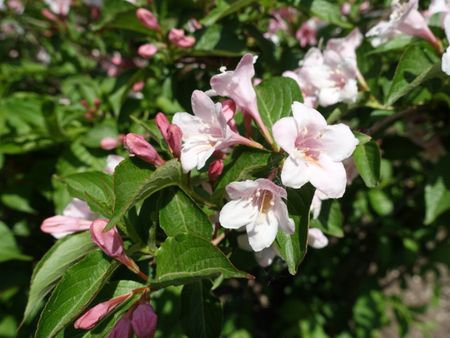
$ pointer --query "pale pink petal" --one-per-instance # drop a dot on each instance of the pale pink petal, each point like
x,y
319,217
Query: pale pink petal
x,y
190,125
203,106
242,189
262,234
237,213
112,161
195,153
285,132
284,222
338,142
328,176
317,239
60,226
295,173
307,117
80,209
265,257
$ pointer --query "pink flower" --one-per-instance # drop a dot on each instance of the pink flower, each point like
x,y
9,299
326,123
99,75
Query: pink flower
x,y
317,239
238,86
259,207
446,56
144,320
138,146
215,170
111,243
147,51
307,33
60,7
405,18
148,19
346,46
94,315
205,132
77,216
316,150
308,90
171,133
109,143
112,161
179,39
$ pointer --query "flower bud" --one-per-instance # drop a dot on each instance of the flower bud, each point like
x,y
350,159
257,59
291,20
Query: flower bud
x,y
137,145
163,124
98,312
111,243
147,51
138,86
215,170
109,143
179,39
174,136
148,19
144,320
123,328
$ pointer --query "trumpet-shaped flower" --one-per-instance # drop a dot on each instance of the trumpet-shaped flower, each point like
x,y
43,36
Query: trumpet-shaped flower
x,y
259,207
204,132
405,18
238,86
316,150
446,56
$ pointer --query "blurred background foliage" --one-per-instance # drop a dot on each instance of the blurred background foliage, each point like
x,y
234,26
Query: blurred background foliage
x,y
68,83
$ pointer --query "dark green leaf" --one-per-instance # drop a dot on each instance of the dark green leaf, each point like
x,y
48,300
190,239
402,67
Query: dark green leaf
x,y
95,188
330,218
181,215
367,160
8,246
135,180
73,294
186,258
224,10
201,312
437,191
292,248
51,267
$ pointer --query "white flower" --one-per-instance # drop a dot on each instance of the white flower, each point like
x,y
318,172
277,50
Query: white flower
x,y
112,161
317,239
316,150
205,132
446,56
60,7
264,258
259,207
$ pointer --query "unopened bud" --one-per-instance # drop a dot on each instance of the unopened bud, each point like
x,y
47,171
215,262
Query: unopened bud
x,y
163,124
215,170
174,137
147,51
179,39
123,328
144,321
98,312
137,145
148,19
109,143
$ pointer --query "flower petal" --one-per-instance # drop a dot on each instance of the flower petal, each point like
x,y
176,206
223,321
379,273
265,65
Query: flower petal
x,y
190,125
195,153
261,235
328,176
294,173
281,212
338,142
285,133
237,213
306,116
265,257
317,239
242,189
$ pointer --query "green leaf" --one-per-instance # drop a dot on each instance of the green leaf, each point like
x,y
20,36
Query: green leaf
x,y
186,258
367,160
292,248
201,312
328,11
243,167
437,191
224,9
330,218
51,267
275,97
218,40
135,180
181,215
95,188
380,202
417,64
8,246
73,294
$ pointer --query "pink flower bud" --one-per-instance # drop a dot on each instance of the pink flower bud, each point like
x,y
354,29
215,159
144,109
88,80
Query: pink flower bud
x,y
109,143
144,320
111,243
148,19
98,312
147,51
60,226
346,8
138,86
174,137
215,170
49,15
123,328
163,124
137,145
179,39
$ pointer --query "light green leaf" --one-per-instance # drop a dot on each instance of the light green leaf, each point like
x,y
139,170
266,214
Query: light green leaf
x,y
51,267
437,191
201,312
224,9
74,292
186,258
330,219
8,246
135,180
328,11
181,215
380,202
367,160
275,97
95,188
417,64
292,248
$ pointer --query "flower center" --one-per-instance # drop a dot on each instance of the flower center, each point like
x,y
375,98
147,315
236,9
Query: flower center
x,y
264,200
308,146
